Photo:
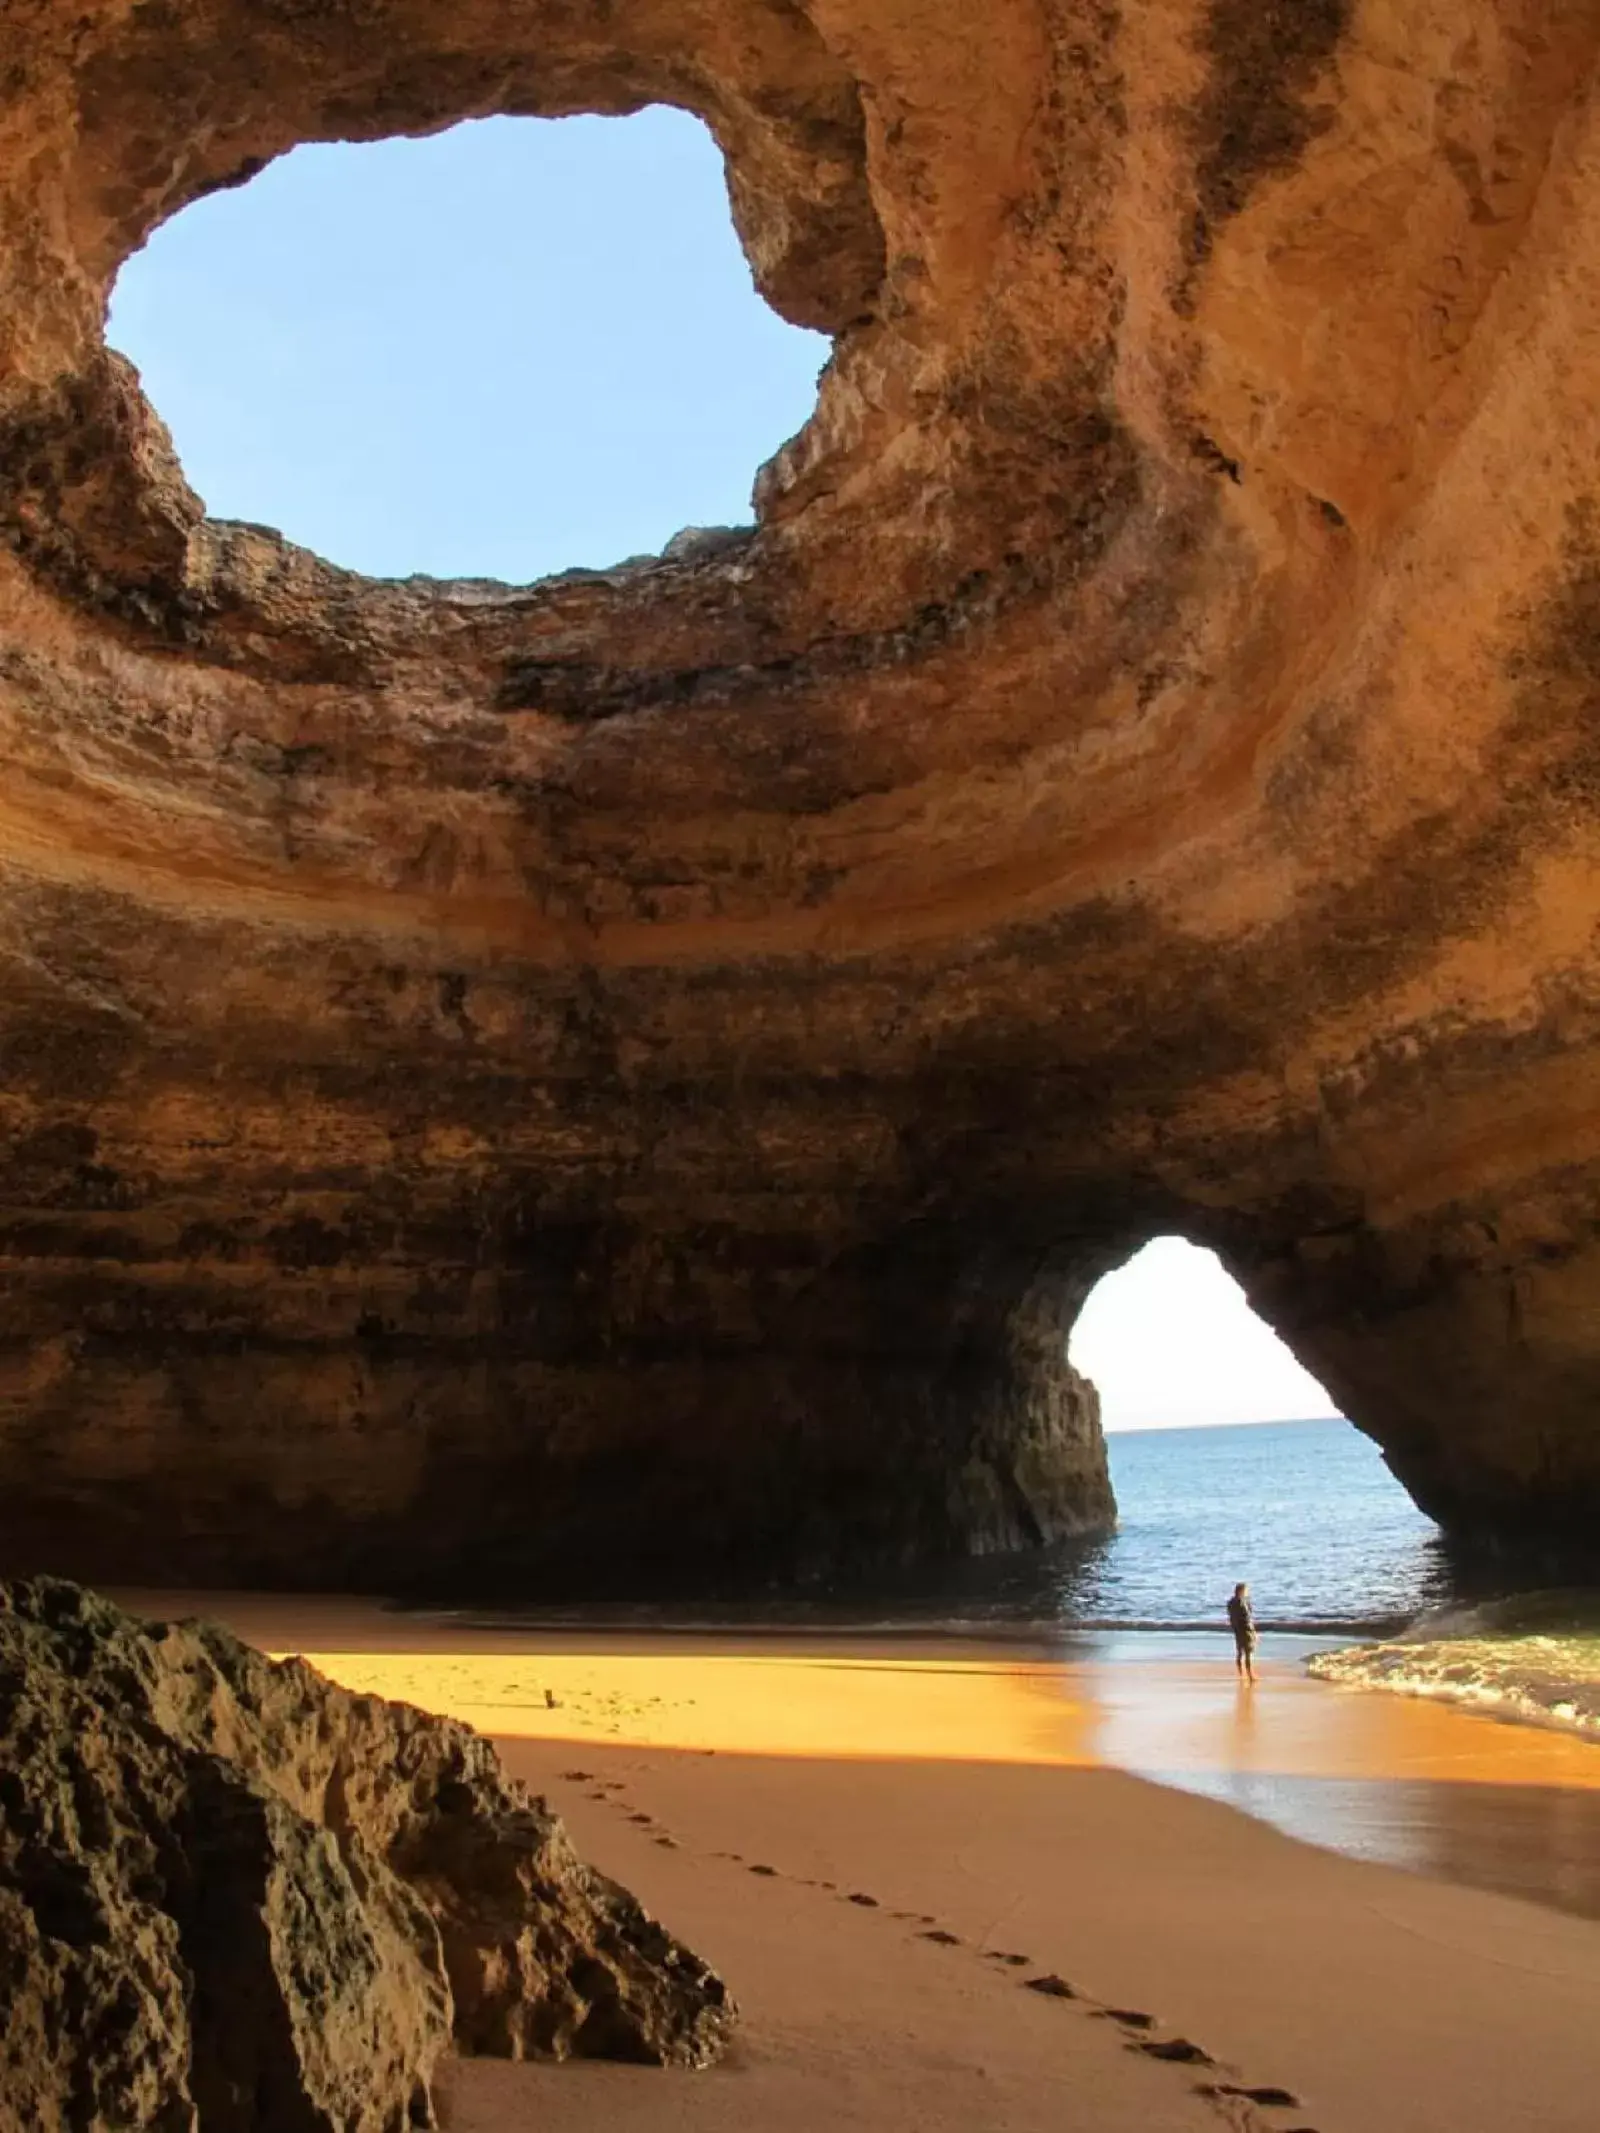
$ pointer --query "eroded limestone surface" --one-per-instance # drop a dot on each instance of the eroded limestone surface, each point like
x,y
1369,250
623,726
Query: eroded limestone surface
x,y
235,1897
631,1077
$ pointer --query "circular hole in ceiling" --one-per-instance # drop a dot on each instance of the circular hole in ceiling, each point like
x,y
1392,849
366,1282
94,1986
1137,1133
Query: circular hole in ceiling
x,y
513,348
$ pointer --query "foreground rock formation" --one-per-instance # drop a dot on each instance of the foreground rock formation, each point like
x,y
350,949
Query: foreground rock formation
x,y
234,1897
632,1077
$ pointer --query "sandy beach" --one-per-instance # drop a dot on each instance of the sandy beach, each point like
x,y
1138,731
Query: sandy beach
x,y
860,1835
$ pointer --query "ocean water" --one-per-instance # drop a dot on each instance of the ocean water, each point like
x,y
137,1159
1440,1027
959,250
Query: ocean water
x,y
1306,1511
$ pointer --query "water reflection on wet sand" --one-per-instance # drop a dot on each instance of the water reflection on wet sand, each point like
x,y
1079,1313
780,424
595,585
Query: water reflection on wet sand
x,y
1381,1777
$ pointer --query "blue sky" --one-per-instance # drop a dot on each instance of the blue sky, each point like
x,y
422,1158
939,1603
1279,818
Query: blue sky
x,y
523,345
500,351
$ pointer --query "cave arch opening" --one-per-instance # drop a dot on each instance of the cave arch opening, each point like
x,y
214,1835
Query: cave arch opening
x,y
1171,1341
513,347
1231,1461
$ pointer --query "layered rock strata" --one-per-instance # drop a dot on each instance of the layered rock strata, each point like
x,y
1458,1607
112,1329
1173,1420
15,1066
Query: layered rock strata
x,y
234,1897
631,1077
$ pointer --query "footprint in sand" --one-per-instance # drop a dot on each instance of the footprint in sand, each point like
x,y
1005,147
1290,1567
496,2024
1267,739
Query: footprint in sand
x,y
945,1940
1005,1955
1129,2017
1053,1987
641,1818
1178,2049
867,1903
771,1872
1268,2093
668,1844
578,1777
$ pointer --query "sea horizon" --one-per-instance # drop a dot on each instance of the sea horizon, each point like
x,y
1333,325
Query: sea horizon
x,y
1139,1429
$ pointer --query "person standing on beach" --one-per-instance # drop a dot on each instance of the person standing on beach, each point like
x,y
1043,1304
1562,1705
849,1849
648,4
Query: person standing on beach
x,y
1242,1621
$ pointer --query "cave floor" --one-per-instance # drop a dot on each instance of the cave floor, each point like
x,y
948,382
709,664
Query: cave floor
x,y
750,1792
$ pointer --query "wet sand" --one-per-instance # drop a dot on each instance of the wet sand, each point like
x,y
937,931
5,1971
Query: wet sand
x,y
969,1794
1420,1785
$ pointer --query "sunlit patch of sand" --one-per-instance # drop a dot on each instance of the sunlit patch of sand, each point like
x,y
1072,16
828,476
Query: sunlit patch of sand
x,y
908,1705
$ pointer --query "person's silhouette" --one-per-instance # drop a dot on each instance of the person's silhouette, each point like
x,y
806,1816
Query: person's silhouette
x,y
1242,1621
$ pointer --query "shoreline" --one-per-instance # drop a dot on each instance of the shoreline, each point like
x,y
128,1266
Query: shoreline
x,y
1480,1675
1429,1670
804,1619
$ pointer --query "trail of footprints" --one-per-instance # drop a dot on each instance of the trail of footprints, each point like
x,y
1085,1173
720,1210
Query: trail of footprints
x,y
1240,2103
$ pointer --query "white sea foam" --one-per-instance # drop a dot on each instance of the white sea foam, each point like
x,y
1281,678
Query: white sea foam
x,y
1534,1660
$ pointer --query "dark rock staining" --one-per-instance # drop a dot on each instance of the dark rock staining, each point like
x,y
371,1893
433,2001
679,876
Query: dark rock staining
x,y
628,1079
1257,114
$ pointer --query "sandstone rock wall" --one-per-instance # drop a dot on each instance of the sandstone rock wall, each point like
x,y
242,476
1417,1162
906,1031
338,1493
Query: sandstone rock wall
x,y
234,1897
632,1073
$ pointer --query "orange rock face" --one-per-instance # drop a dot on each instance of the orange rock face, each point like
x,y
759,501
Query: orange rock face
x,y
632,1076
